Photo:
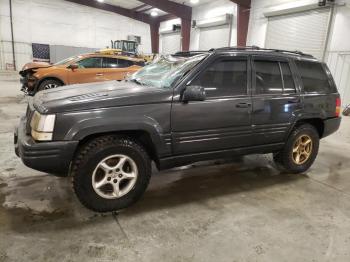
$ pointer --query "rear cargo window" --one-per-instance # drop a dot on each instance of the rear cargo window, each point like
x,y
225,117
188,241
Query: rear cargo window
x,y
314,77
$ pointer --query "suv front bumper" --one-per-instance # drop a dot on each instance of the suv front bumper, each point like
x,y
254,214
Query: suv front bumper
x,y
50,157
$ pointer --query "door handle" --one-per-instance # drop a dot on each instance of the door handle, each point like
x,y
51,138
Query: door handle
x,y
99,74
243,105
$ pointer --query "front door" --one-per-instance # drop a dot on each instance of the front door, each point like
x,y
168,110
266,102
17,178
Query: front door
x,y
275,99
223,120
89,70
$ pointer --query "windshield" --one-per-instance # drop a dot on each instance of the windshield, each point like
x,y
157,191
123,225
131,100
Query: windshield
x,y
67,60
165,70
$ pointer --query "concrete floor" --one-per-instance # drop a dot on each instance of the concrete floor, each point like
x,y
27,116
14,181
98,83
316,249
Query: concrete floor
x,y
244,210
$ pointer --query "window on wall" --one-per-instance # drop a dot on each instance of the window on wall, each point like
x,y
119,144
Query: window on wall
x,y
273,77
225,77
314,77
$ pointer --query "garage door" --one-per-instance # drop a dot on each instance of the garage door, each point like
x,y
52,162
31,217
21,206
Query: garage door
x,y
214,37
304,31
171,43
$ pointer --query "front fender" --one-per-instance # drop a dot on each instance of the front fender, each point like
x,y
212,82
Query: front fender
x,y
92,126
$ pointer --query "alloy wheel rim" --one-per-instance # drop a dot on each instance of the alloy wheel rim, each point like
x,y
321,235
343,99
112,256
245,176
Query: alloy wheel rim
x,y
302,149
50,86
114,176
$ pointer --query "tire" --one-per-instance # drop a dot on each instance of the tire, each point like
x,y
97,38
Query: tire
x,y
86,167
49,84
288,161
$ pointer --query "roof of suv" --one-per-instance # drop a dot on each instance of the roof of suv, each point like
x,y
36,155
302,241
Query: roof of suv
x,y
251,50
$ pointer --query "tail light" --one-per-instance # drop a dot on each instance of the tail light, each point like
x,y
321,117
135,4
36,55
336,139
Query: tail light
x,y
337,107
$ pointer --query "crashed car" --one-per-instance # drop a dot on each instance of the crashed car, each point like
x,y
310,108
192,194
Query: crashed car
x,y
94,67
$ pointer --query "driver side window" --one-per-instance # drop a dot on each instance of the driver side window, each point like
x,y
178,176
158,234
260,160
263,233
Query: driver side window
x,y
91,62
225,77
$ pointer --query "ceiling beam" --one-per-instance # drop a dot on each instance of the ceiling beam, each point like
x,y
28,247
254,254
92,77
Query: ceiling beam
x,y
166,17
243,13
182,11
243,3
138,7
147,9
116,9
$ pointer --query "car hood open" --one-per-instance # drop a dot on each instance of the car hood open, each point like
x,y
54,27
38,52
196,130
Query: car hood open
x,y
98,95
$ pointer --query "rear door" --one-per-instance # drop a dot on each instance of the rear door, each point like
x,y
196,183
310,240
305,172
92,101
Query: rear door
x,y
89,70
276,99
223,120
117,68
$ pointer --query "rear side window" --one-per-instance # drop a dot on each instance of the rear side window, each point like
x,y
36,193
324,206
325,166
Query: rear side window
x,y
110,62
273,77
268,77
226,77
124,63
314,77
289,86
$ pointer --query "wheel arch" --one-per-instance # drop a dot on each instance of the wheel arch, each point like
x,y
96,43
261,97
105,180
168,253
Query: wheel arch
x,y
315,122
142,137
49,78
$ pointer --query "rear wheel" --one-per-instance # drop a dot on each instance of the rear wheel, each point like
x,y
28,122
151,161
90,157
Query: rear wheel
x,y
300,150
49,84
110,173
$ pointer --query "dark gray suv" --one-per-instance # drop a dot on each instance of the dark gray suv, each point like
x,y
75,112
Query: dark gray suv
x,y
179,110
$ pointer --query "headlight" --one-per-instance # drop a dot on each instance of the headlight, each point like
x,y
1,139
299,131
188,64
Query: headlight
x,y
42,126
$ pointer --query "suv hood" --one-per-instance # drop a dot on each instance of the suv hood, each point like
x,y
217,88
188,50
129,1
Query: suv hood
x,y
98,95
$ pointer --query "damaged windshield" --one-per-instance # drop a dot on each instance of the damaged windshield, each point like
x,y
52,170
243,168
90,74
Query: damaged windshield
x,y
165,70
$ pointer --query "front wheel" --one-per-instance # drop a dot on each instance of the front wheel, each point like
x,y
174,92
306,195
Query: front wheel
x,y
300,150
49,84
110,173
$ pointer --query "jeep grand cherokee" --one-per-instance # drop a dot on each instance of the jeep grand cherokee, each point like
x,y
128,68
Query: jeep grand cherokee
x,y
176,111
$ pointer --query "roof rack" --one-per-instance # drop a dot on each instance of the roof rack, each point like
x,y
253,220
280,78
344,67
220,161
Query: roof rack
x,y
189,53
253,47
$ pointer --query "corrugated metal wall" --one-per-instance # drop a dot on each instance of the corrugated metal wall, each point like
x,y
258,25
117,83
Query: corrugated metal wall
x,y
60,52
23,51
339,64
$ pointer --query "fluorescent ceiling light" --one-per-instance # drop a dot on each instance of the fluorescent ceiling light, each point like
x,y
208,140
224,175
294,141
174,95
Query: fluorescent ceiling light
x,y
154,13
194,1
100,1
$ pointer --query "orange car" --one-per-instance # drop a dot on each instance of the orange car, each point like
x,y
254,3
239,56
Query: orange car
x,y
85,68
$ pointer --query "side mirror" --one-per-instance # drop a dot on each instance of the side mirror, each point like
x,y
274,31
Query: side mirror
x,y
73,67
194,93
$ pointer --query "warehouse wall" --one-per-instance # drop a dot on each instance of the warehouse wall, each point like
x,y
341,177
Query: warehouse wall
x,y
202,12
213,9
338,51
174,38
62,23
